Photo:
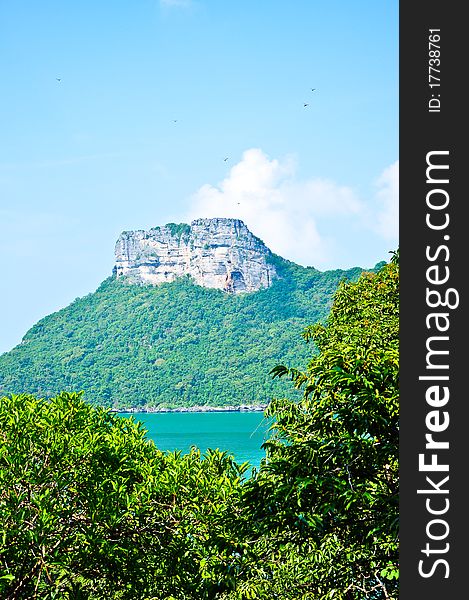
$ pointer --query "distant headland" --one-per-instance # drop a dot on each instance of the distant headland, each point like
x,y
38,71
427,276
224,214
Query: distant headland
x,y
193,409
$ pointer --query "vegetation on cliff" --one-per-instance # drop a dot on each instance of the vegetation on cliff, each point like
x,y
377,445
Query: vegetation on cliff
x,y
172,345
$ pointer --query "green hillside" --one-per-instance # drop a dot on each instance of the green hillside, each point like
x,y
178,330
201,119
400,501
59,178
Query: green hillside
x,y
172,345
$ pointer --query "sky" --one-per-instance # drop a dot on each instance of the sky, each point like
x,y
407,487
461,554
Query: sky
x,y
118,115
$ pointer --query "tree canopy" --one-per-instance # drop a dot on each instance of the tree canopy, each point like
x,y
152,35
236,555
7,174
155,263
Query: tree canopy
x,y
90,509
329,483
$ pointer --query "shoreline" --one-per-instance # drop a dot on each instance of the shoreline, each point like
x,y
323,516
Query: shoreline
x,y
193,409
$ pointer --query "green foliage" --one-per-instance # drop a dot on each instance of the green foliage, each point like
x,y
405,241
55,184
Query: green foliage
x,y
179,229
90,509
176,344
329,484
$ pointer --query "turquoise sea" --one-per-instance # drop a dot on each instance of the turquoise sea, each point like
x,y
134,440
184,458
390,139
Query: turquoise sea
x,y
239,433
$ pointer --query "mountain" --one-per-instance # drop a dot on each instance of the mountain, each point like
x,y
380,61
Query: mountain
x,y
192,316
216,253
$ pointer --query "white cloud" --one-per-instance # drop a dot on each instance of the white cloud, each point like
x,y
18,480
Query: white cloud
x,y
175,2
281,210
387,200
315,222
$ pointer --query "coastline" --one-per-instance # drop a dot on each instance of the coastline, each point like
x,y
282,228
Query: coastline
x,y
193,409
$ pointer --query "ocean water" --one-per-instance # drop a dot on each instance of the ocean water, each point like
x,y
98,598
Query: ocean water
x,y
239,433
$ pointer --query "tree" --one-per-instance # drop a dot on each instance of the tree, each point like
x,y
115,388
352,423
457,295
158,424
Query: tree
x,y
328,489
90,509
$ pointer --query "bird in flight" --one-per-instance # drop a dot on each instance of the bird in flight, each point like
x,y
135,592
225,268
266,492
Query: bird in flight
x,y
175,120
58,79
312,89
225,159
305,105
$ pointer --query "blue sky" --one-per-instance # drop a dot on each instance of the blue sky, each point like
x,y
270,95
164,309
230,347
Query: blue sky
x,y
153,96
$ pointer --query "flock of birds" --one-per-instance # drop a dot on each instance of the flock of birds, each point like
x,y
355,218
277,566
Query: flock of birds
x,y
305,104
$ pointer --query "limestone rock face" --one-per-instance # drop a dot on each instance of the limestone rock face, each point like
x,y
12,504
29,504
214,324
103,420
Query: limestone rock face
x,y
216,253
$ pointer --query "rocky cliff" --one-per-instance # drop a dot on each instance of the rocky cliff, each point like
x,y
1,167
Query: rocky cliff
x,y
216,253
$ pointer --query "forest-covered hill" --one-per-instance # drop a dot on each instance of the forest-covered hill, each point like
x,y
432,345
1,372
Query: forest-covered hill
x,y
175,344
